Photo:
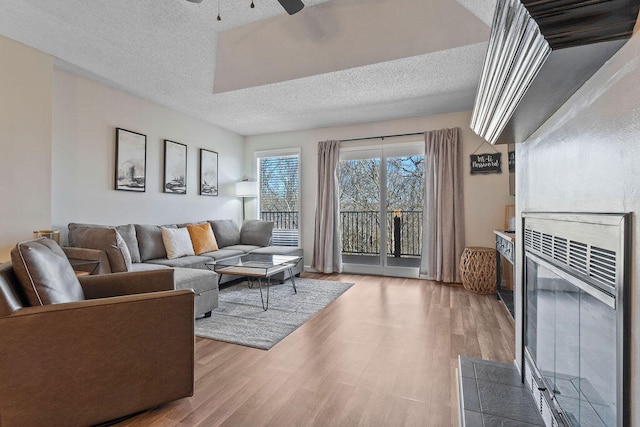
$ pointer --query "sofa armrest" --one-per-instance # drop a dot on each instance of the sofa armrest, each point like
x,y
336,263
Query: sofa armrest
x,y
84,363
89,255
117,284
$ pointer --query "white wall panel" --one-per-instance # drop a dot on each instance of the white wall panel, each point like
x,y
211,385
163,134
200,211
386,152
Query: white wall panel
x,y
25,143
85,116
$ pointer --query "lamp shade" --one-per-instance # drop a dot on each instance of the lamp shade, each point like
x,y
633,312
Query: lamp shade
x,y
246,189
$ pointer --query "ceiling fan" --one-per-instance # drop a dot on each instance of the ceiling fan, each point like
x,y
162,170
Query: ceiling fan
x,y
291,6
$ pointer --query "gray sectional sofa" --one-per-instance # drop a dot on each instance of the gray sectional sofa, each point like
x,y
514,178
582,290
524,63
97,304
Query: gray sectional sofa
x,y
140,247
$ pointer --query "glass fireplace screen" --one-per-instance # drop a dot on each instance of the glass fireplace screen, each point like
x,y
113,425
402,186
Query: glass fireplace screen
x,y
571,339
576,331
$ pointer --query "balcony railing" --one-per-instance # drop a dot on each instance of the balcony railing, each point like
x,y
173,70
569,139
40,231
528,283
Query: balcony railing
x,y
285,227
360,231
281,219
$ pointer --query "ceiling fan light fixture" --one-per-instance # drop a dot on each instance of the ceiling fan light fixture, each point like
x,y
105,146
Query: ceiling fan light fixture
x,y
292,6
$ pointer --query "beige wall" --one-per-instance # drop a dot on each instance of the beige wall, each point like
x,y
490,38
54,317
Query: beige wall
x,y
485,195
85,116
585,158
58,153
25,135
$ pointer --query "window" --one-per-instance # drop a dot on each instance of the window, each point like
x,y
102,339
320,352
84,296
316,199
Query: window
x,y
279,194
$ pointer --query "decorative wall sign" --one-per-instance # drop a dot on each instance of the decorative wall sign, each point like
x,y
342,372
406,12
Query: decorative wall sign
x,y
208,173
486,163
131,161
175,167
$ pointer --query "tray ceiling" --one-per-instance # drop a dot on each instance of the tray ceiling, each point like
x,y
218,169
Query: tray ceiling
x,y
260,70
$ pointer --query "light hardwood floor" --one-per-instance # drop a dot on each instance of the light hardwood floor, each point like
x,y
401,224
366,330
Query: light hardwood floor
x,y
383,354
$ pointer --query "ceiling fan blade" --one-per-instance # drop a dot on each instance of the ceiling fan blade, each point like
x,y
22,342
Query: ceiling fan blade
x,y
292,6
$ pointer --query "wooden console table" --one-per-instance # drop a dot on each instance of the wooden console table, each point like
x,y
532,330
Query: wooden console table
x,y
505,246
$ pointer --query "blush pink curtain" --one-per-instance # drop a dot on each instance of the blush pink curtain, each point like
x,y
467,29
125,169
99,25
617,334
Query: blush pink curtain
x,y
443,234
327,244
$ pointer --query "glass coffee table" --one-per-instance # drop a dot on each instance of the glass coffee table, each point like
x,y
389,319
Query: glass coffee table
x,y
257,268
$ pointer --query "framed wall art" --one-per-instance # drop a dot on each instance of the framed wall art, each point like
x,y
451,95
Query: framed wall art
x,y
131,161
208,173
175,167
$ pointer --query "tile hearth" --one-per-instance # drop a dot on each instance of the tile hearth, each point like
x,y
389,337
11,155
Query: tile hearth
x,y
492,394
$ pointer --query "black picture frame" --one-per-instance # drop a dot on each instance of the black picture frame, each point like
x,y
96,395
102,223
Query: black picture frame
x,y
208,173
175,168
131,161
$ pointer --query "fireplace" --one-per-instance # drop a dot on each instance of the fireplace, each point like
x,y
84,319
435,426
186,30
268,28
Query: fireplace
x,y
575,317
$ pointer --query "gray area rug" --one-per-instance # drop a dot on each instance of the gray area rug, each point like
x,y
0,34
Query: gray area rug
x,y
240,319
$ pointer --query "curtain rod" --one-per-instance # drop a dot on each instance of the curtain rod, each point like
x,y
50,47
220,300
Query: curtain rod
x,y
382,137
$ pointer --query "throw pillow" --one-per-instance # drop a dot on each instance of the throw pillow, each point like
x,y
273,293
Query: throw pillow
x,y
256,232
177,242
107,240
44,272
226,231
202,238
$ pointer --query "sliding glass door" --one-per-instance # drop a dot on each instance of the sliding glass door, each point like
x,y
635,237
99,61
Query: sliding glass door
x,y
381,193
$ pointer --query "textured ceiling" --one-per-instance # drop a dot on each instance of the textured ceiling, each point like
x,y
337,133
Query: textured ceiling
x,y
167,51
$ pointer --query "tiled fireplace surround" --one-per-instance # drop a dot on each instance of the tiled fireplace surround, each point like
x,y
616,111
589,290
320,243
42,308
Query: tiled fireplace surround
x,y
586,158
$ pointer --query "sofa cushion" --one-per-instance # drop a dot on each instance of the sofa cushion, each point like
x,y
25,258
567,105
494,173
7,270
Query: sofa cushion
x,y
202,238
73,226
279,250
256,232
226,231
243,248
203,283
150,242
107,240
44,272
283,251
177,242
193,261
198,281
144,266
185,224
127,231
222,253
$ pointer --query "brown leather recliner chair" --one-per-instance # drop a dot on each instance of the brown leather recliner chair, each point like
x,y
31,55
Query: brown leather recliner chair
x,y
127,347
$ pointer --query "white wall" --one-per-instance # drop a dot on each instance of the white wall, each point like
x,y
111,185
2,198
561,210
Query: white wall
x,y
85,116
25,143
585,158
485,195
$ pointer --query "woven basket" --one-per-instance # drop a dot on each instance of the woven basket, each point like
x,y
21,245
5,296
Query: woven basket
x,y
478,270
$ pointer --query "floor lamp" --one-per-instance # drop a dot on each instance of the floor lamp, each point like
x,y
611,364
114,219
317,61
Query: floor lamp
x,y
246,189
